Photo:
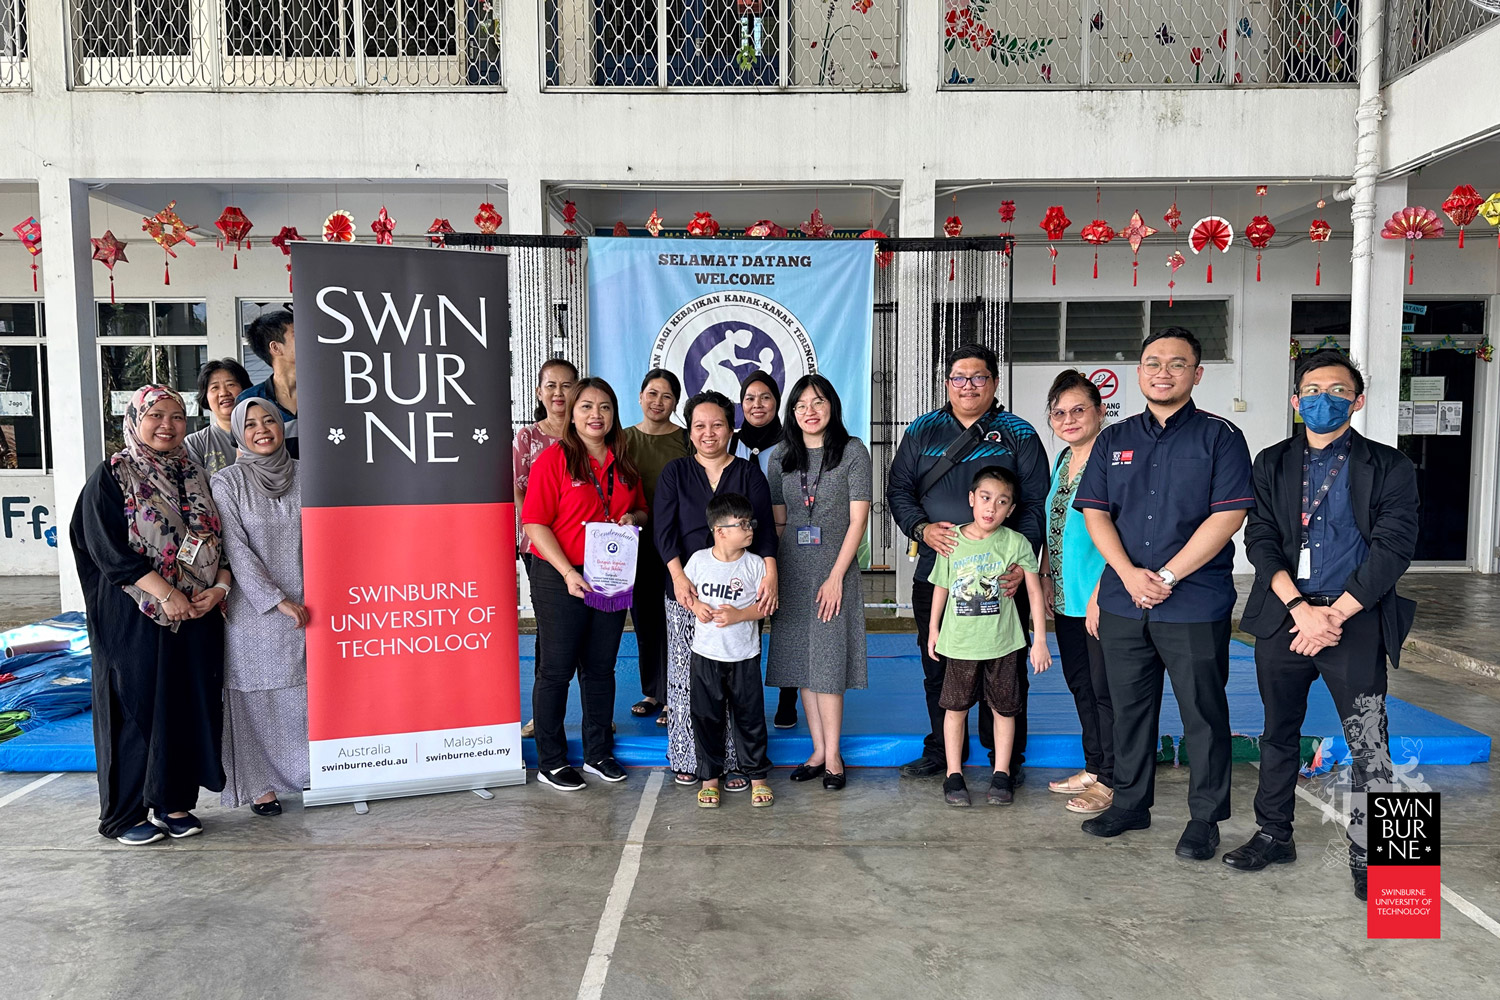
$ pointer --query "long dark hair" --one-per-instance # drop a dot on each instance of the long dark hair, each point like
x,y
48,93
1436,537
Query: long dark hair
x,y
577,453
794,458
541,411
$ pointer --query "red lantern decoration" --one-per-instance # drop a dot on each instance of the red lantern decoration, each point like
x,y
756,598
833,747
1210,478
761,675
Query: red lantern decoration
x,y
109,252
1412,223
653,224
282,240
1055,223
1461,208
168,230
1319,232
1259,234
1007,211
487,219
815,227
234,228
1135,234
30,233
437,233
1096,234
1210,232
766,228
1173,217
882,257
384,228
570,215
620,230
703,224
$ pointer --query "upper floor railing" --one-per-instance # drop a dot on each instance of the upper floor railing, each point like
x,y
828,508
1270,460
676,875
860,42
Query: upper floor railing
x,y
1415,29
303,44
755,44
15,61
1066,44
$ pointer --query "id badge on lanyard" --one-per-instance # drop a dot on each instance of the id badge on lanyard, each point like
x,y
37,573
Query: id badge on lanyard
x,y
1311,504
810,534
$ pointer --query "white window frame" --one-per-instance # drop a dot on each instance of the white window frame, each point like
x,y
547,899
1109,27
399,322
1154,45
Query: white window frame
x,y
190,398
44,402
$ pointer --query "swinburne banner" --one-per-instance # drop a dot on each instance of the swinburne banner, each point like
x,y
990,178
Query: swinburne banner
x,y
408,521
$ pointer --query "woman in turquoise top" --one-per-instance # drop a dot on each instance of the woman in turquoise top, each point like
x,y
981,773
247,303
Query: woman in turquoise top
x,y
1072,570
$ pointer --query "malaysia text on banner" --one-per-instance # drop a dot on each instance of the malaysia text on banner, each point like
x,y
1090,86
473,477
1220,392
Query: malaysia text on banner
x,y
713,311
408,521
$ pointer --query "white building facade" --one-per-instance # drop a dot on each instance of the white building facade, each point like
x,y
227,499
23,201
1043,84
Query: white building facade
x,y
887,114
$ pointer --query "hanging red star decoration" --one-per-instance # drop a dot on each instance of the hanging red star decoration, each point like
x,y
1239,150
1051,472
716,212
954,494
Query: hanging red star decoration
x,y
338,227
815,227
1412,223
1055,223
1174,262
1258,234
282,241
1096,234
168,230
234,227
653,224
30,234
438,232
882,257
1319,232
765,228
487,219
703,224
384,228
1007,211
620,229
1134,234
1173,218
1210,232
109,252
1461,208
953,227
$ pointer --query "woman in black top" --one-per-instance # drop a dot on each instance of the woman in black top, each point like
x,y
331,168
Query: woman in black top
x,y
680,521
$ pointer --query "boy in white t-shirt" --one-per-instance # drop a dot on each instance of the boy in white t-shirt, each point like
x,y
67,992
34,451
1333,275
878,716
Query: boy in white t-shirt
x,y
725,679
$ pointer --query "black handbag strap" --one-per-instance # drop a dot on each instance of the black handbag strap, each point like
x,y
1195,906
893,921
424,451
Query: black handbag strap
x,y
950,457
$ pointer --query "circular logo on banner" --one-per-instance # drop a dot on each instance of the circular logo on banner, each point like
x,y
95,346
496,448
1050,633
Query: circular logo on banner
x,y
716,340
1107,381
613,547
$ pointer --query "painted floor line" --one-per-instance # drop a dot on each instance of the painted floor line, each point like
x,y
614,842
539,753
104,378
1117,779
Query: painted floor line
x,y
33,786
1454,898
594,974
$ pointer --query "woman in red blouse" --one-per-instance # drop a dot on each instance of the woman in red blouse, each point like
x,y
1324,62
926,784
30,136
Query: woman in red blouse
x,y
586,476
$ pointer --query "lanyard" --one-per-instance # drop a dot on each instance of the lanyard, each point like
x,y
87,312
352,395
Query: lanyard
x,y
1310,505
810,495
604,498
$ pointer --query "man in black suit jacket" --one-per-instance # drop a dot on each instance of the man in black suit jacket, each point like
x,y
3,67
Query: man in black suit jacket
x,y
1334,527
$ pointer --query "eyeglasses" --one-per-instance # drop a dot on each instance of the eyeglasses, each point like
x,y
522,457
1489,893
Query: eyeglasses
x,y
1337,389
746,525
1060,416
977,381
817,404
1175,368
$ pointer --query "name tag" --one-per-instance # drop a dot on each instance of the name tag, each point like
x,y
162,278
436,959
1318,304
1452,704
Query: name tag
x,y
810,535
188,553
1304,564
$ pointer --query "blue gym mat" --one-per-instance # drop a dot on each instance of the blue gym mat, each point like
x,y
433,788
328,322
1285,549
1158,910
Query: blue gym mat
x,y
884,725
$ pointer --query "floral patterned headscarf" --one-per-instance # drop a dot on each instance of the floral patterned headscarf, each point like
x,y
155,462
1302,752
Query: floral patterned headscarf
x,y
167,502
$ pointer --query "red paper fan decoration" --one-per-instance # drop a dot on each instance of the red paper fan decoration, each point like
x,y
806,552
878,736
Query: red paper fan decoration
x,y
882,257
1259,234
1412,223
1461,208
234,227
487,219
1055,223
1210,232
815,227
1097,233
653,224
438,232
703,224
288,235
30,233
1319,232
338,227
384,228
620,230
109,252
766,228
1135,234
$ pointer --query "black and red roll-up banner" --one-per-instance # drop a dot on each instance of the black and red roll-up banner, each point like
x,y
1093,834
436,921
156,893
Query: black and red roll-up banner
x,y
408,520
1404,831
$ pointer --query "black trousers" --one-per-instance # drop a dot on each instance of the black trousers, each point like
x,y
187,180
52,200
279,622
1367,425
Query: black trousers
x,y
1354,671
649,616
933,672
572,637
1083,668
728,696
1196,655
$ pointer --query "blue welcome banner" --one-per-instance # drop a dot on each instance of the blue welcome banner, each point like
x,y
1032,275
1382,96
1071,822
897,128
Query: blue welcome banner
x,y
713,311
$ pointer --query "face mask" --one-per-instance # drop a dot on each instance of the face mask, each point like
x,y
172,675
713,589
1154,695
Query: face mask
x,y
1324,412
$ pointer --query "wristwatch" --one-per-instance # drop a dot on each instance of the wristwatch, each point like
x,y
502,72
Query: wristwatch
x,y
1167,577
916,534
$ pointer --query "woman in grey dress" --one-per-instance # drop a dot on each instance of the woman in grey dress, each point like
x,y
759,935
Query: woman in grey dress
x,y
265,649
820,495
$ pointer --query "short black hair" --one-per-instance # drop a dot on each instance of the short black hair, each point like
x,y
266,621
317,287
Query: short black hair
x,y
1001,473
1176,333
1327,358
729,507
673,382
206,374
983,353
267,329
712,398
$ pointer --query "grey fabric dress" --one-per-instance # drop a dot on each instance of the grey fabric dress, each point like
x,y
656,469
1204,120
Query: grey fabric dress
x,y
827,657
265,654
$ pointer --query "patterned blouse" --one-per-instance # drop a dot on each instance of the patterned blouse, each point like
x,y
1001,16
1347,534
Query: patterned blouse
x,y
1057,516
530,441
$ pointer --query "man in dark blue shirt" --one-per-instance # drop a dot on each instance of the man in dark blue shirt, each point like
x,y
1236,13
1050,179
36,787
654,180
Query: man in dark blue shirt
x,y
1333,529
272,337
1162,495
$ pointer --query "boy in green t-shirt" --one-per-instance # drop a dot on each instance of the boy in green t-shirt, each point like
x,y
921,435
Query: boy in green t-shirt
x,y
981,634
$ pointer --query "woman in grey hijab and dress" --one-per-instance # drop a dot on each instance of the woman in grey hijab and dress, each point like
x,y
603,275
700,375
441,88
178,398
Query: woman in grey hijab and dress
x,y
265,649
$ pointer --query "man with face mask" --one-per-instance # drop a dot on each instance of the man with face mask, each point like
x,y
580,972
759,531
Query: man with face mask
x,y
1333,528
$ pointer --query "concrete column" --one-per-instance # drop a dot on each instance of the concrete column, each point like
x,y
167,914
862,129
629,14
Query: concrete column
x,y
223,325
73,361
1382,366
523,48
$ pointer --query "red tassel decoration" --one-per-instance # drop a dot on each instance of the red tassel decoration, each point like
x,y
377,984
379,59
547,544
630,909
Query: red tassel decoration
x,y
1411,275
950,269
1210,272
1460,237
111,288
1318,276
167,278
236,261
33,277
289,279
1257,266
1096,265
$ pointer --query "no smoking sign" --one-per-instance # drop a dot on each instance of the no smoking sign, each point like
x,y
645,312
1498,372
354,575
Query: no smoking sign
x,y
1107,381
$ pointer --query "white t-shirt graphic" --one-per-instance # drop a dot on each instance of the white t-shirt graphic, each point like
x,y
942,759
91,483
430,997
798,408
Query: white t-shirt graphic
x,y
732,583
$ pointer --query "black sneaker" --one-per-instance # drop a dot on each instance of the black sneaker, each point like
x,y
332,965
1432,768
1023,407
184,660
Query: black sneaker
x,y
922,767
187,826
1361,882
607,768
786,710
564,779
141,834
955,792
1001,792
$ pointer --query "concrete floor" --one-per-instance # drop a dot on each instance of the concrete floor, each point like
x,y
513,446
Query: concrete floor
x,y
878,891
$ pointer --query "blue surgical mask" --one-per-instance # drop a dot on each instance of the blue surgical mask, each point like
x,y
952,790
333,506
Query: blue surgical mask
x,y
1324,412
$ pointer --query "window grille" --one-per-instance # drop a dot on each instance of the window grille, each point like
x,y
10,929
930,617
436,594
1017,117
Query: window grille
x,y
15,61
1415,29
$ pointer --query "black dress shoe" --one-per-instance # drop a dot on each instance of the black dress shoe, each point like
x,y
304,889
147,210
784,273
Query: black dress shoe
x,y
1260,851
834,782
272,808
1361,882
807,772
1199,840
1112,822
923,767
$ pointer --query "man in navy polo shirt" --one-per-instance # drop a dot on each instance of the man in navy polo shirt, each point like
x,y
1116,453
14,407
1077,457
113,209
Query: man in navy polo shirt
x,y
1163,493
